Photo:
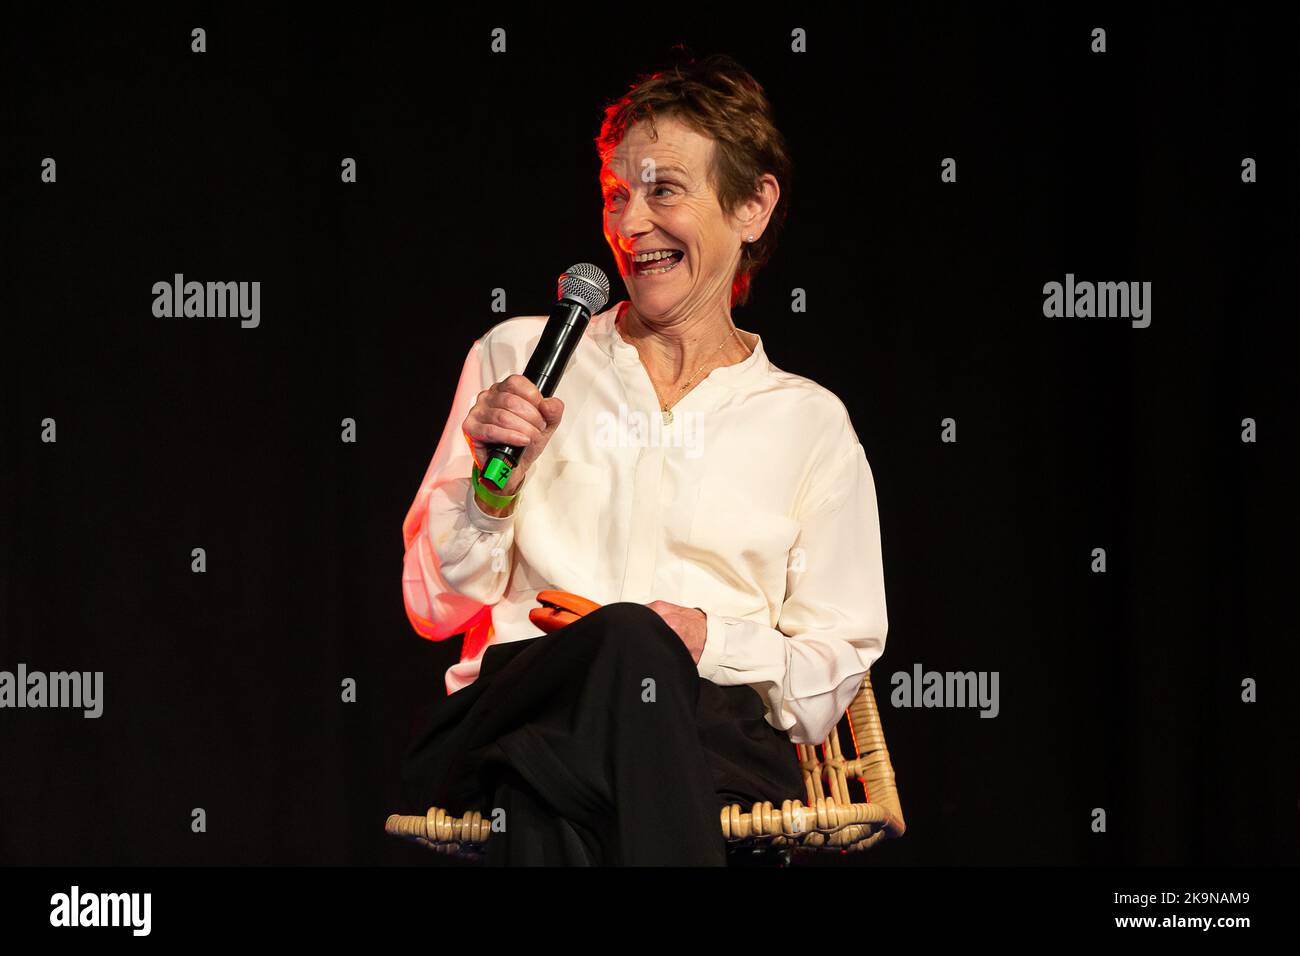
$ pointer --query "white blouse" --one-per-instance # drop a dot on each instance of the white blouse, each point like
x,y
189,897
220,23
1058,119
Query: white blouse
x,y
756,505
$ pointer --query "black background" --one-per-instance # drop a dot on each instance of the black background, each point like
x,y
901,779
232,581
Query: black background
x,y
478,171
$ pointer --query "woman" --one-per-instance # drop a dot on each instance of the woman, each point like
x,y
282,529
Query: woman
x,y
721,509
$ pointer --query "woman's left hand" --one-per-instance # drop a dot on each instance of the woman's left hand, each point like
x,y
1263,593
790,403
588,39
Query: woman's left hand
x,y
690,624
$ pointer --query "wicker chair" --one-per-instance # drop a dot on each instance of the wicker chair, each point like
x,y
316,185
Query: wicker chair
x,y
827,820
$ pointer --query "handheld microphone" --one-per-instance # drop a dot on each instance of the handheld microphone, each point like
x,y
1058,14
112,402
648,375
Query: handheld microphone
x,y
583,290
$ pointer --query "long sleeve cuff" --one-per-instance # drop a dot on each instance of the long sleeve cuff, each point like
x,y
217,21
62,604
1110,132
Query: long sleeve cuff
x,y
480,519
715,645
735,648
806,682
469,551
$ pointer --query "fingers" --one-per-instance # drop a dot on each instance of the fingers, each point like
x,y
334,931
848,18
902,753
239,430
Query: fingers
x,y
488,434
552,409
513,412
520,407
504,416
518,385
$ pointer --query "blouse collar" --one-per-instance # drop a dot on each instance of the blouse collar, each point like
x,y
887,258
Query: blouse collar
x,y
606,334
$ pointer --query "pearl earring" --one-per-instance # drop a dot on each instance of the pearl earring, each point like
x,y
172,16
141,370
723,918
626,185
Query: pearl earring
x,y
749,238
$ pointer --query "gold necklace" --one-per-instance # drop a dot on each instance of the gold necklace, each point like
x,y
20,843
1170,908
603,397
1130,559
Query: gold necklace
x,y
668,415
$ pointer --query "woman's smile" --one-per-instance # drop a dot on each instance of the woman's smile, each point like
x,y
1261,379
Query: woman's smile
x,y
656,263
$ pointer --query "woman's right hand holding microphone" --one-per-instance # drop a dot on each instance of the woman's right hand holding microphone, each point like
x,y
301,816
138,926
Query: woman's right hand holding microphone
x,y
511,412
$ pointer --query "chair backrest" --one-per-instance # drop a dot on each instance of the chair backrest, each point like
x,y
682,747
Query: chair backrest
x,y
871,765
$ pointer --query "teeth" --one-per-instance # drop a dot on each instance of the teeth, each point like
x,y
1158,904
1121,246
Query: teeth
x,y
654,272
652,256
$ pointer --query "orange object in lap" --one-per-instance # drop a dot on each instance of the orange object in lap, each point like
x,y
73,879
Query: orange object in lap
x,y
559,608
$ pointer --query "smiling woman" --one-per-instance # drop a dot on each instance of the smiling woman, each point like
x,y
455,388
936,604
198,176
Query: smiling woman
x,y
708,140
742,598
695,178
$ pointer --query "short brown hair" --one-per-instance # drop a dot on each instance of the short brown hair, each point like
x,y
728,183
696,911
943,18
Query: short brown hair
x,y
718,98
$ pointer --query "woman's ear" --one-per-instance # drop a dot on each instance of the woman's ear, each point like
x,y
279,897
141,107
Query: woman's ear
x,y
753,213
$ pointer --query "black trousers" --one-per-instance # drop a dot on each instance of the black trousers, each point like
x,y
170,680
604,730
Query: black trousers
x,y
603,745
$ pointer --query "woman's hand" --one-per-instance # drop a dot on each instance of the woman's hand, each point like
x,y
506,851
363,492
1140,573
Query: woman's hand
x,y
512,412
690,624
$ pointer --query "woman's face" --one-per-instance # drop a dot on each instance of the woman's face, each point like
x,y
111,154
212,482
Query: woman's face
x,y
657,197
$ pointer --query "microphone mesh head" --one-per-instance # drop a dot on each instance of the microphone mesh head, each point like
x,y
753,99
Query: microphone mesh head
x,y
585,283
